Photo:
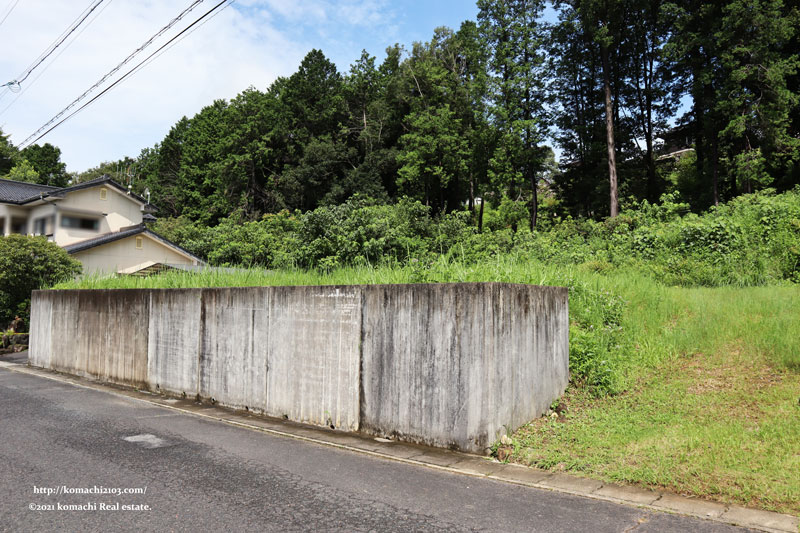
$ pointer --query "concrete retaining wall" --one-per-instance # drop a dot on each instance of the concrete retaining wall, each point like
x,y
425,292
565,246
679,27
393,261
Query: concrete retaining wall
x,y
450,365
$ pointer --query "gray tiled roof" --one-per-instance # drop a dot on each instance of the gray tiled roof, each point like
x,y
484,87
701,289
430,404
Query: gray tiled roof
x,y
104,239
15,192
123,233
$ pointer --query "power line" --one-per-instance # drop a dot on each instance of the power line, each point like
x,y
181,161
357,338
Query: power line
x,y
15,2
14,85
58,43
116,68
119,80
42,71
163,51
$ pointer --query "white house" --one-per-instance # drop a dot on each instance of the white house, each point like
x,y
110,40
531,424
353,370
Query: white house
x,y
99,222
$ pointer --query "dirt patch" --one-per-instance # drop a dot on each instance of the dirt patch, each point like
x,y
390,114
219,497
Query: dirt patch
x,y
712,374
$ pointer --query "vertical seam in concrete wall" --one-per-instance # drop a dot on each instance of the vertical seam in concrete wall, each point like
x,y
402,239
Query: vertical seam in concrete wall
x,y
201,332
146,336
360,420
267,294
147,379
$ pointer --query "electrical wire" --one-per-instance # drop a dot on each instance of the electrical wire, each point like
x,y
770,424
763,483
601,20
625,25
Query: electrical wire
x,y
51,48
26,142
117,68
9,10
152,58
63,38
47,66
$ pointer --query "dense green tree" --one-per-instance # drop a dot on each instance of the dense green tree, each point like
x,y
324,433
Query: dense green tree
x,y
515,39
649,94
199,185
433,155
693,49
46,161
575,94
740,62
440,89
613,92
755,100
315,137
160,170
373,165
27,264
9,155
23,171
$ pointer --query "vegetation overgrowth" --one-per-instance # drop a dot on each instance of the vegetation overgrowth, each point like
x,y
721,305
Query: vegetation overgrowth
x,y
710,401
684,372
434,166
754,240
27,264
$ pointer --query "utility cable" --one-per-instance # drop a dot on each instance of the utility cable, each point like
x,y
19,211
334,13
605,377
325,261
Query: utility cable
x,y
116,69
14,85
15,2
119,80
47,66
152,58
63,38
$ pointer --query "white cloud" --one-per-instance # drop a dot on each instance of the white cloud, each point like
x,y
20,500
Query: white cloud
x,y
247,44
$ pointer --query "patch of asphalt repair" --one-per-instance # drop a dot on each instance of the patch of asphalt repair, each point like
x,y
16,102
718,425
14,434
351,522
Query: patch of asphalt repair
x,y
443,460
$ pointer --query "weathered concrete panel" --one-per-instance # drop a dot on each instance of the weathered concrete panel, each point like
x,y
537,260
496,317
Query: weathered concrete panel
x,y
313,354
114,326
39,349
285,351
454,365
233,353
100,334
173,346
67,350
458,365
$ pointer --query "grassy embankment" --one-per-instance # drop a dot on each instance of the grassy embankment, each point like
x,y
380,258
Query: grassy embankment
x,y
694,390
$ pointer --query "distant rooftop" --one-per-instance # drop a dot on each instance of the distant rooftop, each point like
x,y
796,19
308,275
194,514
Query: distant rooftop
x,y
18,192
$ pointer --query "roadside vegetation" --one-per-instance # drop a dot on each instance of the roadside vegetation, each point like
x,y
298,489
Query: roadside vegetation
x,y
680,244
685,371
27,264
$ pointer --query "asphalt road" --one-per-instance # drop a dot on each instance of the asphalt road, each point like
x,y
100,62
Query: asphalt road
x,y
202,475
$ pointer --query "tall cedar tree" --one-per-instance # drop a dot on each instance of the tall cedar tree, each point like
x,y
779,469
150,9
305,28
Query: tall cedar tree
x,y
740,61
515,40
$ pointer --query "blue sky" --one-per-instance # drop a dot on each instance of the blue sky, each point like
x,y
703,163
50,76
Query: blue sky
x,y
250,42
343,29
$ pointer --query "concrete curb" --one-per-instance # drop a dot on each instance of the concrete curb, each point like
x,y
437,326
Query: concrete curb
x,y
449,461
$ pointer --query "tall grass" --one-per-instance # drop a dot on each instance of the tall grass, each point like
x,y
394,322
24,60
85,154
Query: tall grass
x,y
708,376
624,319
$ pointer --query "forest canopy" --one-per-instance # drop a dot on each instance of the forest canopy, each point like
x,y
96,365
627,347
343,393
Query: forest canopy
x,y
638,98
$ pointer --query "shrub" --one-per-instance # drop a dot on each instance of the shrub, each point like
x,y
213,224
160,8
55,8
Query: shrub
x,y
27,264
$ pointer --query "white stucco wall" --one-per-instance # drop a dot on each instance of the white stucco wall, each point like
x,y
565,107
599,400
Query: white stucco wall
x,y
123,254
120,211
39,211
117,211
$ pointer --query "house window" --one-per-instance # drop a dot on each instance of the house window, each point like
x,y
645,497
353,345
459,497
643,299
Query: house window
x,y
91,224
19,226
40,226
103,193
139,243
